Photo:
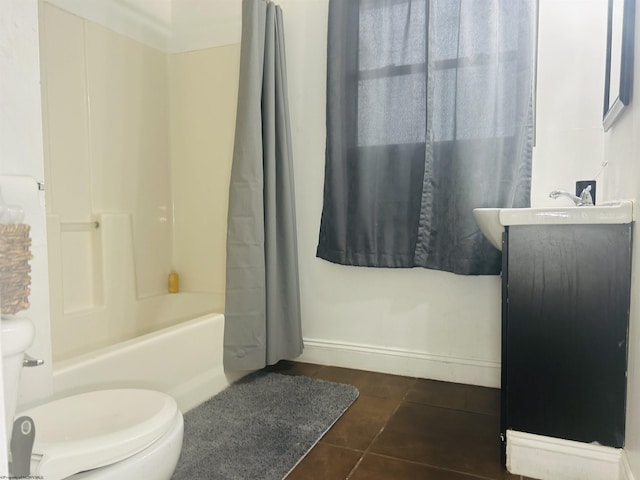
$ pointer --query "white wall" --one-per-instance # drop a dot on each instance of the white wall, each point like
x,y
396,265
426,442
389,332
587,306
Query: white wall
x,y
21,145
570,86
621,179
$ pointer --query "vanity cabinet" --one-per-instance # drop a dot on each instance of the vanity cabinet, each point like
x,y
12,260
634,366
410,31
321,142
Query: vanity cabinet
x,y
565,317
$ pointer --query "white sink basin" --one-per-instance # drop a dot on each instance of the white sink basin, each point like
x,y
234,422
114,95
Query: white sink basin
x,y
488,219
493,220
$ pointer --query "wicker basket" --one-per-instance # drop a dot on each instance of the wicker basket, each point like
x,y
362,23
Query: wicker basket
x,y
15,280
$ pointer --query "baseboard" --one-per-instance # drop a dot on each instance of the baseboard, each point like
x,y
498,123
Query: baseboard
x,y
537,456
625,469
401,362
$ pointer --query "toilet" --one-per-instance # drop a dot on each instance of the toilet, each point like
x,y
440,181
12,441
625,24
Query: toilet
x,y
114,434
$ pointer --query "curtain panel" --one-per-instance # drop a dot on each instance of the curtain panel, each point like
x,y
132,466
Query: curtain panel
x,y
429,115
262,304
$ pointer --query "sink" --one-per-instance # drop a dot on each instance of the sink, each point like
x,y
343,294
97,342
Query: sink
x,y
493,220
488,219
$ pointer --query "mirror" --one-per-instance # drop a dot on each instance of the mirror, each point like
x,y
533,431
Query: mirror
x,y
619,67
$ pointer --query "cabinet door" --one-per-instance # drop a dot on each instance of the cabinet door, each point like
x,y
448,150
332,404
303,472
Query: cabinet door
x,y
567,311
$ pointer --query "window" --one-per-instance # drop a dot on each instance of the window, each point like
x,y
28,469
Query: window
x,y
428,116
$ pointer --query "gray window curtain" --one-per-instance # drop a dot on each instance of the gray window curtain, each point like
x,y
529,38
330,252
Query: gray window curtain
x,y
429,115
262,310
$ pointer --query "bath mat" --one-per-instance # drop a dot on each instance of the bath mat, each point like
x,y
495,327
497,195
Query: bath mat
x,y
260,427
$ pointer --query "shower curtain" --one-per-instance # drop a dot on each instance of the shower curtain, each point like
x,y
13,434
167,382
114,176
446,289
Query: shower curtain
x,y
262,311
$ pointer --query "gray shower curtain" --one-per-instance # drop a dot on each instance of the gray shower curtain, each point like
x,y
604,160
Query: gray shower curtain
x,y
262,311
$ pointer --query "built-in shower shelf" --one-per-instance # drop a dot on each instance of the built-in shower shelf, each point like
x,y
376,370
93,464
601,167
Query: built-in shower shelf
x,y
79,226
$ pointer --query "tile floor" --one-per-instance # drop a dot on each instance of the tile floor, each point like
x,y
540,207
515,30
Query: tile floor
x,y
405,428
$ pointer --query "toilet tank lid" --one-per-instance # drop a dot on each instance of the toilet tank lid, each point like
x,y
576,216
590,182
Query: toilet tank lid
x,y
98,428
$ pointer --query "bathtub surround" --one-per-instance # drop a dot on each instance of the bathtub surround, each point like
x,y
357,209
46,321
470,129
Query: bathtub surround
x,y
120,314
260,427
94,80
159,199
262,306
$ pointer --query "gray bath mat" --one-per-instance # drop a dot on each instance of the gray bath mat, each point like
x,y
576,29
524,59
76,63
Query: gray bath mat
x,y
260,427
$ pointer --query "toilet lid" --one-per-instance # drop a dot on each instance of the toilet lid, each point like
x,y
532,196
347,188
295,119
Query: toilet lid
x,y
94,429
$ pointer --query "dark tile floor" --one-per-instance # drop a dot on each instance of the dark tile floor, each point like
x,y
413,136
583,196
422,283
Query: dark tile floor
x,y
405,428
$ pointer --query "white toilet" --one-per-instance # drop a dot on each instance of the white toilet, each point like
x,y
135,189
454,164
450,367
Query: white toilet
x,y
115,434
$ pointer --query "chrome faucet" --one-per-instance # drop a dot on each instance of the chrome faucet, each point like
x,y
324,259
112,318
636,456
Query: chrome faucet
x,y
583,200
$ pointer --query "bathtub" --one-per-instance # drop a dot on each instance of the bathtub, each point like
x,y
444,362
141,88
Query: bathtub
x,y
183,360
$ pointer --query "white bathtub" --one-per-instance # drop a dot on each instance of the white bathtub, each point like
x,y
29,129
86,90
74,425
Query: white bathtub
x,y
183,360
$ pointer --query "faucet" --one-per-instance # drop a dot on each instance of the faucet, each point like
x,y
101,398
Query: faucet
x,y
583,200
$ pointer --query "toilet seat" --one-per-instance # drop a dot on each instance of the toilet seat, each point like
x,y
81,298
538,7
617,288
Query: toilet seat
x,y
94,429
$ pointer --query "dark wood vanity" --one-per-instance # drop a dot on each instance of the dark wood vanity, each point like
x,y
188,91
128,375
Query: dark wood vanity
x,y
565,318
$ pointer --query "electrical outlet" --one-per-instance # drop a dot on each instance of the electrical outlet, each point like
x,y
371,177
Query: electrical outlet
x,y
582,184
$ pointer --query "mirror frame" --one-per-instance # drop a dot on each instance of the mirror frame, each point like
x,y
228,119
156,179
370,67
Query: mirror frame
x,y
618,96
